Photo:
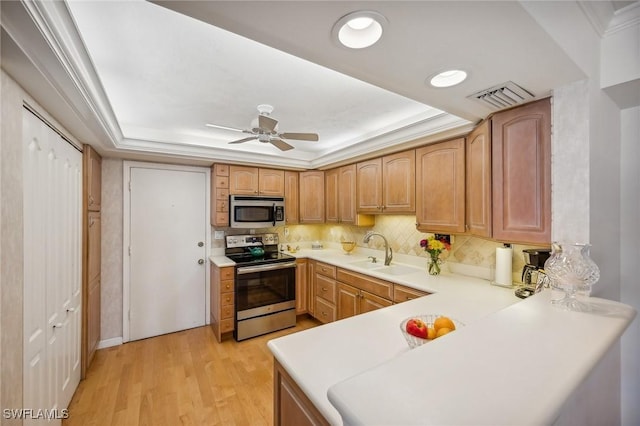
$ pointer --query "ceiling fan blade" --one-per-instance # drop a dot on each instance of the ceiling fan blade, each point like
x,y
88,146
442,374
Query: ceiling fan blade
x,y
250,138
215,126
267,123
300,136
280,144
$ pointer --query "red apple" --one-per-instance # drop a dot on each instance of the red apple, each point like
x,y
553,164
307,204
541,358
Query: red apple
x,y
417,327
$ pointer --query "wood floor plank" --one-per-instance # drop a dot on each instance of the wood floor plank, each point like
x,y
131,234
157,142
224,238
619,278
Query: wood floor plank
x,y
183,378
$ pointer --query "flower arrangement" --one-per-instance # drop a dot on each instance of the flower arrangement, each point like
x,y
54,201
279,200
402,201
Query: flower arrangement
x,y
435,248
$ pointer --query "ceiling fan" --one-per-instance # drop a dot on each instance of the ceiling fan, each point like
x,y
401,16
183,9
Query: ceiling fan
x,y
264,129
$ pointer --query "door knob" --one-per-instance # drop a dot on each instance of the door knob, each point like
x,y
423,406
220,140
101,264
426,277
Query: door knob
x,y
200,243
200,261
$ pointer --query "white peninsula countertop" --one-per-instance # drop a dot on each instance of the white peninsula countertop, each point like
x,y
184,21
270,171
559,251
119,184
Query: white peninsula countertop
x,y
360,370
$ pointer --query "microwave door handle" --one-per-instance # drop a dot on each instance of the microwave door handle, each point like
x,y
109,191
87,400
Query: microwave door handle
x,y
274,214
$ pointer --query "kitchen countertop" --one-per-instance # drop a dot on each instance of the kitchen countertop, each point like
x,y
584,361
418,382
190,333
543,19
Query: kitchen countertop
x,y
361,371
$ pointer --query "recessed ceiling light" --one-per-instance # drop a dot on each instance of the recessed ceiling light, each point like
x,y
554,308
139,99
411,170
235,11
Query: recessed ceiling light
x,y
448,78
360,29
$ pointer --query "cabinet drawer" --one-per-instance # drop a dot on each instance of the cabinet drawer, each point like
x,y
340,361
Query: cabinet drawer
x,y
226,286
226,312
324,311
227,299
222,182
222,194
222,169
226,273
326,288
226,325
363,282
222,206
326,269
402,293
222,218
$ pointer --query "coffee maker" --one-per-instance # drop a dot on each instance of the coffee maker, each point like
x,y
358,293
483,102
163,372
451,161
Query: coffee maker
x,y
533,276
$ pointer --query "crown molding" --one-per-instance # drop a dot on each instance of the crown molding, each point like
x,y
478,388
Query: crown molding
x,y
624,18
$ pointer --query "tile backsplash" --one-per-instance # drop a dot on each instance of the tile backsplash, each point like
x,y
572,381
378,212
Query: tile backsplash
x,y
400,231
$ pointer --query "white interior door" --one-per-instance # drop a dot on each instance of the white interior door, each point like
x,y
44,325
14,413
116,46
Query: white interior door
x,y
52,267
168,240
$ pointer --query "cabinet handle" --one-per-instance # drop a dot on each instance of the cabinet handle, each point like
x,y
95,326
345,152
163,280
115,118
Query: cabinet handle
x,y
324,289
71,310
90,199
58,325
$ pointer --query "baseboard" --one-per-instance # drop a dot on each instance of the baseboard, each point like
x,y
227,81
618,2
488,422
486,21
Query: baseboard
x,y
107,343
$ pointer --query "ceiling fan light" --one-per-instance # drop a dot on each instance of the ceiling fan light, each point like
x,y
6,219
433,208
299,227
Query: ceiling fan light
x,y
448,78
360,29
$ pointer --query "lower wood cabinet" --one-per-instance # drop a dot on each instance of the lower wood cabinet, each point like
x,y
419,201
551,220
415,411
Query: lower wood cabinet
x,y
290,404
302,287
222,300
353,301
342,293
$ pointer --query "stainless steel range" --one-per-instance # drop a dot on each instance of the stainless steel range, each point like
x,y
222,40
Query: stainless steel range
x,y
265,284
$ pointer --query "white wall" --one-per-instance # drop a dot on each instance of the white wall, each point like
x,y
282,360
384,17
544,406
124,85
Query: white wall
x,y
630,287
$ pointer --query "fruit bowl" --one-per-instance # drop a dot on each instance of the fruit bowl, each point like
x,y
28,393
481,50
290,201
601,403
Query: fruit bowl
x,y
428,319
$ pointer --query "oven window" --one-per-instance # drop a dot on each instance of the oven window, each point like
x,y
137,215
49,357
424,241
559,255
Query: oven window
x,y
265,288
253,213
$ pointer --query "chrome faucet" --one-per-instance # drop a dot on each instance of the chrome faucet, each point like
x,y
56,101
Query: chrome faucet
x,y
388,252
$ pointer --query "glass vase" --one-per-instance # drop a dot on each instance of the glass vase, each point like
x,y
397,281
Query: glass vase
x,y
571,271
433,265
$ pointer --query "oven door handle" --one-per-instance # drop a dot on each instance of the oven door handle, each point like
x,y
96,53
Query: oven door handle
x,y
262,268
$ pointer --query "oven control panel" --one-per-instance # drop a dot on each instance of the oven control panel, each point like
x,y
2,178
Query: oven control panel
x,y
251,240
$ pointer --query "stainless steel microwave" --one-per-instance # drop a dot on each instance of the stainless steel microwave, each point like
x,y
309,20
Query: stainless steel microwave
x,y
250,211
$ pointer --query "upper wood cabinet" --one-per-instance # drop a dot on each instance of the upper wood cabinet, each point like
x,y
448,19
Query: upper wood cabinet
x,y
291,198
521,154
220,195
478,181
93,178
387,184
256,181
312,197
440,187
340,199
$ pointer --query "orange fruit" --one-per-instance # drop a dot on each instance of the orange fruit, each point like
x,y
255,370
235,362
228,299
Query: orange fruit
x,y
442,331
443,322
431,333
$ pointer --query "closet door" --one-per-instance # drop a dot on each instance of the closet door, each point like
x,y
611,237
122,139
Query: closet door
x,y
52,175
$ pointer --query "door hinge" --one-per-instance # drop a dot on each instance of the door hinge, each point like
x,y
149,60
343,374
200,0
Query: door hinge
x,y
129,186
129,250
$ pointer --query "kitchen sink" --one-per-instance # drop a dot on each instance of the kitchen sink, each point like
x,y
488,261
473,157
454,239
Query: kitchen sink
x,y
397,270
382,268
367,264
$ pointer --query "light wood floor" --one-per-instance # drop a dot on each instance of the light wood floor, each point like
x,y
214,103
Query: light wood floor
x,y
183,378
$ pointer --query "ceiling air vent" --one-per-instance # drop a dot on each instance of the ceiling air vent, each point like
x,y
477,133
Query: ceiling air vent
x,y
503,95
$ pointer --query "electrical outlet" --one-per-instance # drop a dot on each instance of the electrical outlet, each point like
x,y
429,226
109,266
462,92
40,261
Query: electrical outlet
x,y
443,237
218,235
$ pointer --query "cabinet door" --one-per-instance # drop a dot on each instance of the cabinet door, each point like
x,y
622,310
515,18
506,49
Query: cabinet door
x,y
332,189
521,153
311,290
220,195
301,286
93,170
93,288
369,186
312,197
478,181
291,194
348,300
243,180
271,182
399,180
441,187
370,302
